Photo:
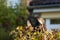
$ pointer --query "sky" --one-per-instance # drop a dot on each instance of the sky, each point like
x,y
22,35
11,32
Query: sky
x,y
12,2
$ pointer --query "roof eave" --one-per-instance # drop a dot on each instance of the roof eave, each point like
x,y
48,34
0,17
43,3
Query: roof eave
x,y
44,6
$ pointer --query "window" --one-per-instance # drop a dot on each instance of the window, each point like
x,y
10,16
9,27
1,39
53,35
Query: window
x,y
55,21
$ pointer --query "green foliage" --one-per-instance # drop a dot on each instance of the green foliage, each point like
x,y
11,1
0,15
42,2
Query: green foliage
x,y
20,33
12,14
3,34
58,35
9,16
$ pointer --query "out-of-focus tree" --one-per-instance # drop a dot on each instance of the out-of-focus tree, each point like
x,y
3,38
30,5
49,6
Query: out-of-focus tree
x,y
10,15
22,11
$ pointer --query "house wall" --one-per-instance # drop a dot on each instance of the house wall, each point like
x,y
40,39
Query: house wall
x,y
50,15
51,26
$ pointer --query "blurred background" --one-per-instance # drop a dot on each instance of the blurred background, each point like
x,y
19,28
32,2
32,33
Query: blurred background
x,y
18,13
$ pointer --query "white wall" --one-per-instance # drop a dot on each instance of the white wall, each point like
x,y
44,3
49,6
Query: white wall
x,y
51,26
47,14
46,10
